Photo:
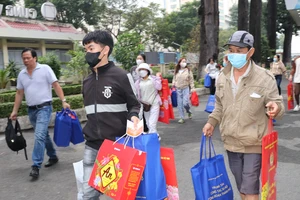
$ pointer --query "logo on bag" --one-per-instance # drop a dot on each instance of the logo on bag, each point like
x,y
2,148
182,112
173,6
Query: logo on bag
x,y
108,173
107,92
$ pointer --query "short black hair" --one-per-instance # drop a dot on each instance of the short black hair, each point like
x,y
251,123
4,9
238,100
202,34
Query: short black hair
x,y
32,51
99,37
278,56
143,56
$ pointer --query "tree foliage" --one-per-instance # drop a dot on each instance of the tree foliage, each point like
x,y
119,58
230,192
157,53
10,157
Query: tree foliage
x,y
76,12
77,66
53,61
7,2
287,26
127,48
112,15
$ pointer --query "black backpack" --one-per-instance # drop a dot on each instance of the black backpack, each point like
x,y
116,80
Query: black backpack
x,y
14,137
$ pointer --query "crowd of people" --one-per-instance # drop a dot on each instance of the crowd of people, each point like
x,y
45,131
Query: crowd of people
x,y
238,85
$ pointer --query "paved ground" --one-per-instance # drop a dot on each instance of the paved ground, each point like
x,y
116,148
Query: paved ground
x,y
58,182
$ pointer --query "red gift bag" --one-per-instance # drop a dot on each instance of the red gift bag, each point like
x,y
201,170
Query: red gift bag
x,y
269,163
194,99
168,163
164,113
118,170
290,98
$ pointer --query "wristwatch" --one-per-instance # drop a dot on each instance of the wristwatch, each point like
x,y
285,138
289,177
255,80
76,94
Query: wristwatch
x,y
64,100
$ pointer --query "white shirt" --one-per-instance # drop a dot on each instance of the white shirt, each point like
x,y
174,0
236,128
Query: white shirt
x,y
234,85
297,72
148,91
212,70
38,86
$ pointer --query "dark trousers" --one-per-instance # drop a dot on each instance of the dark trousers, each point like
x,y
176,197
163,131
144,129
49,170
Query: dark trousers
x,y
212,86
146,129
278,81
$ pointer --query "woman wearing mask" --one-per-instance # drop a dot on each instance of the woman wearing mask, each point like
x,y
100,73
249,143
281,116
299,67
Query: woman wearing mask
x,y
278,69
141,58
211,69
183,80
147,92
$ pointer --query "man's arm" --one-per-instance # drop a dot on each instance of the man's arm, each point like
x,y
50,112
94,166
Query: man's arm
x,y
60,94
274,111
18,100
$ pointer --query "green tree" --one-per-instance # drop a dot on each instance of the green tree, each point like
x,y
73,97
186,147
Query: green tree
x,y
77,66
7,2
271,24
127,48
287,26
184,21
255,27
234,15
53,61
78,13
112,15
192,44
243,13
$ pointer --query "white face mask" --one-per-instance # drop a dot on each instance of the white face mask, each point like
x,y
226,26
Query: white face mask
x,y
182,65
143,73
138,62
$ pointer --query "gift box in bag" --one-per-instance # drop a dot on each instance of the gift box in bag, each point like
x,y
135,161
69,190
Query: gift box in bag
x,y
169,167
62,128
269,164
290,96
210,178
153,184
118,170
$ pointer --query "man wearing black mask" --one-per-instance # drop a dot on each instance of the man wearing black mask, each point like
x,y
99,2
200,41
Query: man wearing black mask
x,y
109,100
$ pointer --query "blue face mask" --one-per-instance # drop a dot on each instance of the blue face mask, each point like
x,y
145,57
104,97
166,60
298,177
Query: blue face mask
x,y
275,59
238,60
224,64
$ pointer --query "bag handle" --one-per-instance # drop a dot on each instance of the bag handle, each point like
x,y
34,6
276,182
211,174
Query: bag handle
x,y
270,125
203,148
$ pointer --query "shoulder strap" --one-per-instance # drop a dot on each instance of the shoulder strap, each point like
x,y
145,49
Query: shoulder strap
x,y
18,129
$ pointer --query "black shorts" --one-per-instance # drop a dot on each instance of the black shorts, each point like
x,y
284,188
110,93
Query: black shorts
x,y
246,168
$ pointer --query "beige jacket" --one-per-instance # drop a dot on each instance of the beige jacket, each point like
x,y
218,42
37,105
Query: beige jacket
x,y
184,79
243,120
277,68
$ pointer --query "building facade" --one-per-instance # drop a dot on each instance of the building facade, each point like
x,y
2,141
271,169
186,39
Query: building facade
x,y
20,29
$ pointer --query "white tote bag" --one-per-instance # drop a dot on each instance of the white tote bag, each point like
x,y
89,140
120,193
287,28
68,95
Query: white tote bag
x,y
78,169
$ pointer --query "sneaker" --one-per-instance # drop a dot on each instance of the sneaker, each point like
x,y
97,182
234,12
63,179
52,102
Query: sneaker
x,y
159,138
190,115
296,108
181,121
34,172
51,161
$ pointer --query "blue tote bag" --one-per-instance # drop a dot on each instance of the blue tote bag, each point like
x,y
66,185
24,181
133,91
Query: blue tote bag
x,y
77,135
210,106
207,81
174,97
153,184
210,178
62,128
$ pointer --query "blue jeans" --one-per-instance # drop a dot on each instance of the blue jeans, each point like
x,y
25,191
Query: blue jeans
x,y
89,158
278,81
183,101
40,119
